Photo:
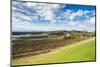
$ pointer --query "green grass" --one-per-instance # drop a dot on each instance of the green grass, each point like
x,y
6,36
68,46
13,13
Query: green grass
x,y
81,51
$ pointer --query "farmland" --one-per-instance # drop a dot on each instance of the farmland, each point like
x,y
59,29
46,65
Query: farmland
x,y
53,47
82,51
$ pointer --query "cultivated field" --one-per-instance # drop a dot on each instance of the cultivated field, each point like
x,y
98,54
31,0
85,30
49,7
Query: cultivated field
x,y
52,47
81,51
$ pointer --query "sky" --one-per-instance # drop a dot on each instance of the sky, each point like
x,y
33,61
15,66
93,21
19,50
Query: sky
x,y
31,16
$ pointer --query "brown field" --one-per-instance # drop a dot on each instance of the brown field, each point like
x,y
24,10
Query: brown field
x,y
34,45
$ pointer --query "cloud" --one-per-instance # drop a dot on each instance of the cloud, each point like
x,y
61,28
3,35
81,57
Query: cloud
x,y
31,11
92,20
74,14
29,16
80,13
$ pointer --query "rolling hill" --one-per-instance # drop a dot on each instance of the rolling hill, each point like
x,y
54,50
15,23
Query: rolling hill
x,y
81,51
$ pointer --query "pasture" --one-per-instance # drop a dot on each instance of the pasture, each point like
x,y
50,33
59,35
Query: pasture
x,y
74,52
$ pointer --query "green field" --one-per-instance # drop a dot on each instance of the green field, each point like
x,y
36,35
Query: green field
x,y
81,51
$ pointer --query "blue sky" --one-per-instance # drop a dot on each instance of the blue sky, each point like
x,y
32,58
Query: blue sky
x,y
30,16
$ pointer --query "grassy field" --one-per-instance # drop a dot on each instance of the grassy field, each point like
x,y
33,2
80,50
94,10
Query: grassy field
x,y
81,51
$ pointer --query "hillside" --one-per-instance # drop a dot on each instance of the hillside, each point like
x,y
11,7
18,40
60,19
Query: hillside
x,y
81,51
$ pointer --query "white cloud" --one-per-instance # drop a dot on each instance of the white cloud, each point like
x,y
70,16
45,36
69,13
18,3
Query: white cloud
x,y
33,27
47,12
31,4
92,20
74,14
73,23
43,10
79,13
